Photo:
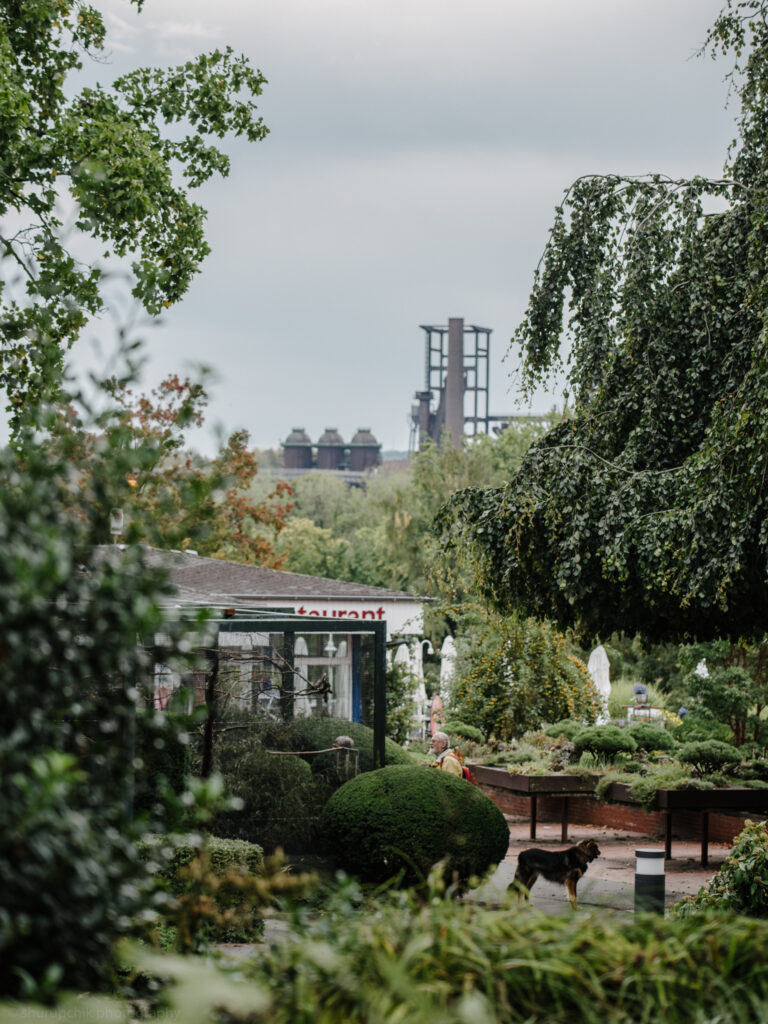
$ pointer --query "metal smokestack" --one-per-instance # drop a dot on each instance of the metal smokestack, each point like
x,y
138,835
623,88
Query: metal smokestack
x,y
454,382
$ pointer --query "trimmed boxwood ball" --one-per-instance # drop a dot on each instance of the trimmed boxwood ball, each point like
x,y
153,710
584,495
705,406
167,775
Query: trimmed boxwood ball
x,y
407,818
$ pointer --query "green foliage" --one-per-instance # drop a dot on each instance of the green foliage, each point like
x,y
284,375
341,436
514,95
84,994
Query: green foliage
x,y
114,153
209,878
646,511
651,737
700,724
319,734
731,694
277,795
309,549
568,728
72,719
741,884
401,686
604,742
406,819
456,729
708,756
517,674
444,961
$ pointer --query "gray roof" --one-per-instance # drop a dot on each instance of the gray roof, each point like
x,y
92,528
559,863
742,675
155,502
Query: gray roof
x,y
199,579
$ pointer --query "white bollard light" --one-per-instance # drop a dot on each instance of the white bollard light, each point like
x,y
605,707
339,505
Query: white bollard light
x,y
649,882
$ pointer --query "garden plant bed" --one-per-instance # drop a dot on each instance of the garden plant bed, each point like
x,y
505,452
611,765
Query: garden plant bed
x,y
734,800
688,800
533,786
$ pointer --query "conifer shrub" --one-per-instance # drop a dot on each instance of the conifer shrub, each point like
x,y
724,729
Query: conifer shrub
x,y
651,737
604,742
568,728
708,756
401,820
280,806
460,730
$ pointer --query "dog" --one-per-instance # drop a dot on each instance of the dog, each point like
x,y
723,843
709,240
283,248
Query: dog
x,y
563,866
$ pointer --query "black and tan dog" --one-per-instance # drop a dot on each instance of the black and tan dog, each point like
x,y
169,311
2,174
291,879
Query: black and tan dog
x,y
564,866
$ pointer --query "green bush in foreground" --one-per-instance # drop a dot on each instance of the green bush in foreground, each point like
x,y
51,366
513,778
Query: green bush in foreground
x,y
209,879
741,884
445,961
406,819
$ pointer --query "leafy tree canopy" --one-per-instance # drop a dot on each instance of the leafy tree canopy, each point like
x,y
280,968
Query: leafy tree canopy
x,y
171,497
648,511
111,154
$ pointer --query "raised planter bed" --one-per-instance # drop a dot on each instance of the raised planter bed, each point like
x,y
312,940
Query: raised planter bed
x,y
533,786
734,800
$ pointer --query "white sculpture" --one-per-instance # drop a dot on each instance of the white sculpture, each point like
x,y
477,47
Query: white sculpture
x,y
599,669
447,663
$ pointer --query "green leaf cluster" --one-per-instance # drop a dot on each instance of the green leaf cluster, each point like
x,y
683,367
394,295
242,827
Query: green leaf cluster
x,y
400,821
72,671
113,155
741,884
512,675
646,511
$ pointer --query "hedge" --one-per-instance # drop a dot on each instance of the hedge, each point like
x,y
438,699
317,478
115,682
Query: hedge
x,y
403,820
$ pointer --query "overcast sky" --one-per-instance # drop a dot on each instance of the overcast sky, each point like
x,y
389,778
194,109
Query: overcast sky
x,y
416,152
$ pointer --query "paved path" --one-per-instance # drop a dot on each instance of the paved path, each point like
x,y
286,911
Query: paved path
x,y
610,880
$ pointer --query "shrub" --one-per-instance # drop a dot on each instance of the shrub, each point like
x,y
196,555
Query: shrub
x,y
741,884
278,794
456,729
700,724
319,734
406,819
70,614
604,741
209,879
651,737
707,756
401,686
445,960
568,728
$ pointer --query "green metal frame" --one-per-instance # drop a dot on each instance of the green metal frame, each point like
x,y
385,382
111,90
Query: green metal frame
x,y
251,620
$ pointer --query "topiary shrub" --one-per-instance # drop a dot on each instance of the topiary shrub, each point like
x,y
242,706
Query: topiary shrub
x,y
406,819
651,737
604,742
568,728
707,756
460,730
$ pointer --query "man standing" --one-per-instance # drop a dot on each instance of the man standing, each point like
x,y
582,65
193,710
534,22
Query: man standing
x,y
445,759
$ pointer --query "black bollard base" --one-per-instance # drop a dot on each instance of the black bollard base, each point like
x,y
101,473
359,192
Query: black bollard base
x,y
650,888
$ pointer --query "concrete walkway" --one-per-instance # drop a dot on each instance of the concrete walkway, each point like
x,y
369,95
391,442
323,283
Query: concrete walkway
x,y
610,880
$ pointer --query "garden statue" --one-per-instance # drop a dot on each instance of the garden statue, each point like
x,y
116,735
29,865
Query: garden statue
x,y
599,669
